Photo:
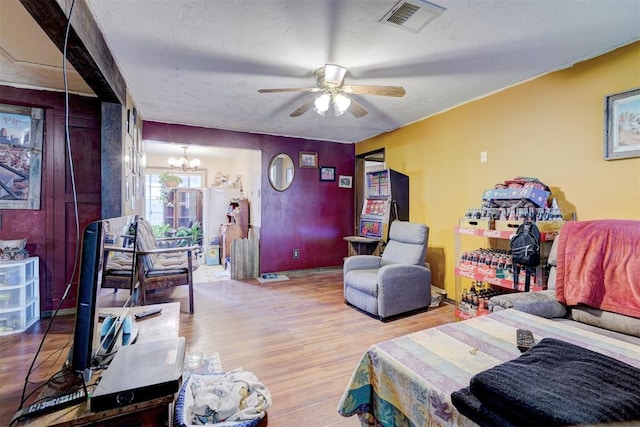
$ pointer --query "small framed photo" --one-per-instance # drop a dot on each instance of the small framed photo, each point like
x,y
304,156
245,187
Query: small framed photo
x,y
131,122
308,160
345,181
327,173
622,125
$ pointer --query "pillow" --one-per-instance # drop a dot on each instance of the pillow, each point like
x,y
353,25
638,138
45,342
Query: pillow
x,y
542,304
553,253
606,319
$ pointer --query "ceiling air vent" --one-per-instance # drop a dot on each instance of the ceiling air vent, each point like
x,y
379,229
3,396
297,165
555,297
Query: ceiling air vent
x,y
412,15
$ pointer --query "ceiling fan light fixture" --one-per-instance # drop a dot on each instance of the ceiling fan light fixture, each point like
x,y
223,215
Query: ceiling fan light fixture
x,y
334,74
331,90
322,103
341,104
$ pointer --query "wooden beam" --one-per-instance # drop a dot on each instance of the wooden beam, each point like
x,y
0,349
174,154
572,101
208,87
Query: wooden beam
x,y
87,51
112,176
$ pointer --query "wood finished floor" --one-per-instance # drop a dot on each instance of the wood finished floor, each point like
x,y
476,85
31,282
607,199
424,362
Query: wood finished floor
x,y
297,336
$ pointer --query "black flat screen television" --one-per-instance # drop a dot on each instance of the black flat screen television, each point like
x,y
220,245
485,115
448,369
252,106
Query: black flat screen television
x,y
89,340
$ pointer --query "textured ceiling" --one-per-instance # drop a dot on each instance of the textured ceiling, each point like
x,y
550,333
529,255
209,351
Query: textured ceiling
x,y
202,62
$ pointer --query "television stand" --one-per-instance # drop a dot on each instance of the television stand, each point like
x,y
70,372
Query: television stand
x,y
127,334
151,412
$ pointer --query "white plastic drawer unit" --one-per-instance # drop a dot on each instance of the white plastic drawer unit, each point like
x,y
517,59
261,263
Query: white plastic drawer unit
x,y
19,295
10,298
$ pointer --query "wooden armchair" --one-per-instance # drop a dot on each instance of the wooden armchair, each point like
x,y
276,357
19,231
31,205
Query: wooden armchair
x,y
118,268
159,264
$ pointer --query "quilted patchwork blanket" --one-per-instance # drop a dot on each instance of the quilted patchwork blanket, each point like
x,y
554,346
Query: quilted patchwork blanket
x,y
408,381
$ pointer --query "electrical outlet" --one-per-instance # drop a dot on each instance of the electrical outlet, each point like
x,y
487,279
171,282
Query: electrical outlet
x,y
483,157
296,253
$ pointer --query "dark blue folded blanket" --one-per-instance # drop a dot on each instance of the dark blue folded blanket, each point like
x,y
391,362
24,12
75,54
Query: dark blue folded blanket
x,y
469,406
555,383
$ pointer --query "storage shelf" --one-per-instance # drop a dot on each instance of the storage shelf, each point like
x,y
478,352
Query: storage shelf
x,y
481,276
499,234
488,275
20,294
184,209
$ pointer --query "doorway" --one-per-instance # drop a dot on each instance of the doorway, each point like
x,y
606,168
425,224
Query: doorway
x,y
365,162
236,171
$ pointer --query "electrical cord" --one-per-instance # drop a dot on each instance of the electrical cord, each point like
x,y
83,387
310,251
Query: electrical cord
x,y
61,373
55,354
76,216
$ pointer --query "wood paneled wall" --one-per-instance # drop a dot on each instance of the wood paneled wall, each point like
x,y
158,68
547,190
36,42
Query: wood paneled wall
x,y
51,231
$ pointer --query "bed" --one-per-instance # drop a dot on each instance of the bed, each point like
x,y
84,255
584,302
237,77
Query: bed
x,y
408,381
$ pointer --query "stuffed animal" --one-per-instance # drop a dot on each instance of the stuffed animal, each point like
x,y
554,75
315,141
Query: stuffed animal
x,y
13,249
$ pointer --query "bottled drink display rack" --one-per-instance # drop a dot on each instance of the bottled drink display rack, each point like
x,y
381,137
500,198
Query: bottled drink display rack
x,y
492,266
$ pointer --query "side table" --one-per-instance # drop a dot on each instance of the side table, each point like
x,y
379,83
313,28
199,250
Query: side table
x,y
359,245
155,412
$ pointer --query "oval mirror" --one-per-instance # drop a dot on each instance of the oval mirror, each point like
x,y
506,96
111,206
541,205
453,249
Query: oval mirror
x,y
281,171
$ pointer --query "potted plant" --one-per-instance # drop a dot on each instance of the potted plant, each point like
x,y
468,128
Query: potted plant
x,y
167,179
194,232
167,182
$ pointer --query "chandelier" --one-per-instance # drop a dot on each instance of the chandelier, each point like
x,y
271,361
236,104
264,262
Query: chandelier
x,y
183,162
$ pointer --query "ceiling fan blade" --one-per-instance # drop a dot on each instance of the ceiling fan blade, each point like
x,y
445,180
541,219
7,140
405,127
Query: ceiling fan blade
x,y
375,90
293,89
303,108
356,109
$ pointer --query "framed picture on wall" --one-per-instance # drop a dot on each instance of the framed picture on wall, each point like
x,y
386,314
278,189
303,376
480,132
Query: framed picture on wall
x,y
21,136
327,173
345,181
308,160
622,125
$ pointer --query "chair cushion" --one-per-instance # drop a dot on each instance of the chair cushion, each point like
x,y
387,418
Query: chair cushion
x,y
163,272
407,244
119,273
402,253
408,232
117,261
146,241
163,260
365,281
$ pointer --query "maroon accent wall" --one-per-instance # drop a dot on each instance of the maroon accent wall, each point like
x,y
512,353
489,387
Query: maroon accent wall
x,y
311,216
51,231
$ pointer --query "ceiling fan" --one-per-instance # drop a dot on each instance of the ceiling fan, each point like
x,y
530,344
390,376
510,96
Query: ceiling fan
x,y
330,81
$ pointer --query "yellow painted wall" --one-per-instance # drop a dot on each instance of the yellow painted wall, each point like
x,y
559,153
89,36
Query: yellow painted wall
x,y
550,128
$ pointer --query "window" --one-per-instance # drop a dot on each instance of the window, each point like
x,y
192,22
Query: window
x,y
154,206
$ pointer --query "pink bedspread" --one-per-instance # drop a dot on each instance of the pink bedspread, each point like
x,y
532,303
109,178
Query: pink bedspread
x,y
599,265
